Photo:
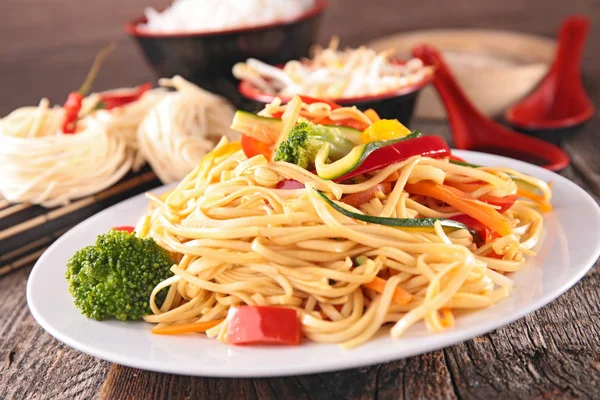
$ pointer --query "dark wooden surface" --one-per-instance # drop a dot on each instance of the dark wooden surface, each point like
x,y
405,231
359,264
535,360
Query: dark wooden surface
x,y
552,353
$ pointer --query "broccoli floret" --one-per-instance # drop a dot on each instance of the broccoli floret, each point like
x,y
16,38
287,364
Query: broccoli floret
x,y
115,276
306,139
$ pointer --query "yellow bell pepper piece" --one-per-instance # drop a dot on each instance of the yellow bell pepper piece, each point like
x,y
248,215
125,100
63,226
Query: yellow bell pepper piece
x,y
385,129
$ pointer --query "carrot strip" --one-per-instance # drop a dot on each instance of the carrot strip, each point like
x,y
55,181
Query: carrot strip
x,y
400,296
457,199
446,317
465,187
196,327
372,115
543,204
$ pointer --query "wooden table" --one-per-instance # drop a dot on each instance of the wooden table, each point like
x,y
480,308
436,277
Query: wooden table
x,y
554,352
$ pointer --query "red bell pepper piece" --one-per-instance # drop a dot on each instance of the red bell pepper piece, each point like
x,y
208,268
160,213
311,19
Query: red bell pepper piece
x,y
504,203
289,184
484,232
125,228
311,100
253,147
263,325
113,100
356,199
427,146
349,122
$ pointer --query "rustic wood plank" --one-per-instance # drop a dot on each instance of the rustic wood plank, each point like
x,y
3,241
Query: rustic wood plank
x,y
554,352
33,365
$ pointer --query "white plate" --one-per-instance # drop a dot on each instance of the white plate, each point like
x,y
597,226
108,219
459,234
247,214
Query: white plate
x,y
569,250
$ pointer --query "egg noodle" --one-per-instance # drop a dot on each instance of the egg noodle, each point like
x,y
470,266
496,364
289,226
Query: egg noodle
x,y
170,130
239,240
182,128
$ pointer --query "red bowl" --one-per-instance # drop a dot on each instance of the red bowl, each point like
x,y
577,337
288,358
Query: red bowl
x,y
396,104
207,57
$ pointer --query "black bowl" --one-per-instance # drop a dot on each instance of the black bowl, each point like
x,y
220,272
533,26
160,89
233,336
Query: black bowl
x,y
206,58
397,104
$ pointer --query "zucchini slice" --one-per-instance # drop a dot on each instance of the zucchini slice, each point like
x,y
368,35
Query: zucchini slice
x,y
353,159
406,223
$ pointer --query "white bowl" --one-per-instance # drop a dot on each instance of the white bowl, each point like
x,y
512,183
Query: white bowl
x,y
495,68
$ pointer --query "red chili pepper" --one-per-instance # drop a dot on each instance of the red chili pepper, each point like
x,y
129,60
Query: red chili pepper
x,y
113,100
125,228
73,104
484,232
504,203
263,325
427,146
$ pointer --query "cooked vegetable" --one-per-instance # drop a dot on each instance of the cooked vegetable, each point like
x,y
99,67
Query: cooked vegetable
x,y
377,155
504,203
356,199
459,200
353,159
524,188
306,139
115,276
483,231
253,147
311,100
405,223
544,205
178,329
125,228
459,161
385,129
289,184
263,129
400,295
372,115
263,325
259,134
350,123
446,317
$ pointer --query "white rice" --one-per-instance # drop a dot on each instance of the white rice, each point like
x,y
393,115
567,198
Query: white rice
x,y
215,15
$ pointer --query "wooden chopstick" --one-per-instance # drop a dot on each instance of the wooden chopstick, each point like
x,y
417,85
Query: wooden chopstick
x,y
13,209
77,205
29,258
27,254
23,262
3,203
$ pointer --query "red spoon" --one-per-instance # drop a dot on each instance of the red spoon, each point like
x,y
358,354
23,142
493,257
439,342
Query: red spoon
x,y
559,106
472,130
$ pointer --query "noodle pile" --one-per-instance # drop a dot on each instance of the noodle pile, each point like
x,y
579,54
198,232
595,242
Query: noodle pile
x,y
43,166
170,130
169,135
238,240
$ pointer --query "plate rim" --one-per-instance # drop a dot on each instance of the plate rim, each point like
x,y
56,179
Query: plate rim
x,y
445,339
